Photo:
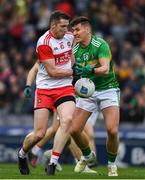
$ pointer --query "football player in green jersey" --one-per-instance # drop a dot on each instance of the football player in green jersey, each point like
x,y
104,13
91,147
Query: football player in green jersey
x,y
94,61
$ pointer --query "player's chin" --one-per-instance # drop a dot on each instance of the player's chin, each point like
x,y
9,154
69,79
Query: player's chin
x,y
77,39
61,35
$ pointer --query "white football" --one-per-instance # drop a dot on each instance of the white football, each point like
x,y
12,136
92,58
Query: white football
x,y
84,87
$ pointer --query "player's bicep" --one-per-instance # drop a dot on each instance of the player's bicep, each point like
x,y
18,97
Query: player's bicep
x,y
104,56
35,67
105,63
104,51
32,74
44,53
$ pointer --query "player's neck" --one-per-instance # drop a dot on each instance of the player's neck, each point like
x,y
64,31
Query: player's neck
x,y
86,41
53,34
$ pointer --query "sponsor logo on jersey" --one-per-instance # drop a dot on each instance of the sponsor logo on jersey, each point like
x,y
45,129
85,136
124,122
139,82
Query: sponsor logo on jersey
x,y
69,44
55,48
63,58
61,45
86,56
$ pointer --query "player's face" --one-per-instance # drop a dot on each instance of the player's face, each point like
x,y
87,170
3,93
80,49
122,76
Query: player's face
x,y
80,32
61,28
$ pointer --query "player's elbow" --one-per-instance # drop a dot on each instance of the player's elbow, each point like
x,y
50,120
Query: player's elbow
x,y
106,72
52,73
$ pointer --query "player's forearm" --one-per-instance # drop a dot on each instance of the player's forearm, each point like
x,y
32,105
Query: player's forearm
x,y
30,78
103,70
60,73
32,74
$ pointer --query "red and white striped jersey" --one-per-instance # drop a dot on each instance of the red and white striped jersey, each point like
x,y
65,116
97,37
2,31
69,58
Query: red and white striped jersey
x,y
48,47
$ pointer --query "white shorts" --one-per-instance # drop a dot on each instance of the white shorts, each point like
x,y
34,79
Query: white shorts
x,y
93,118
100,100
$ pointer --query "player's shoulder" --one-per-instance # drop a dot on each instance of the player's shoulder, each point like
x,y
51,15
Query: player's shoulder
x,y
75,47
44,39
69,35
98,41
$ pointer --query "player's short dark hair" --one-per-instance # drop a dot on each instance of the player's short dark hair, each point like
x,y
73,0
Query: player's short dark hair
x,y
80,20
56,16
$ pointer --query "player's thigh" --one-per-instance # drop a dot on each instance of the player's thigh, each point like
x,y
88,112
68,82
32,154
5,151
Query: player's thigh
x,y
111,117
66,109
80,117
41,119
83,111
109,104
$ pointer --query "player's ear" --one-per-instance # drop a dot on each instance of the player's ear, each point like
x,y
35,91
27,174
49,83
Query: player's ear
x,y
87,29
53,25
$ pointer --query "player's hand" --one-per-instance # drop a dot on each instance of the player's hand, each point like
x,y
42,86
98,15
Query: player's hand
x,y
84,70
78,70
27,91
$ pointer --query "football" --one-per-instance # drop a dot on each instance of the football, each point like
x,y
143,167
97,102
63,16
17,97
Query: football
x,y
84,87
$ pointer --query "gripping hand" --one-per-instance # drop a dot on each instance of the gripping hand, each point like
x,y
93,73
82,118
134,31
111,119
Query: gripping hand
x,y
27,91
84,70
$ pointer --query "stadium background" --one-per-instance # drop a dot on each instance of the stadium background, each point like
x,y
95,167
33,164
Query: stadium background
x,y
121,23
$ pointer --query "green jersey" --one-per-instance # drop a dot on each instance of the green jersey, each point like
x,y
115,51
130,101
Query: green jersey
x,y
98,48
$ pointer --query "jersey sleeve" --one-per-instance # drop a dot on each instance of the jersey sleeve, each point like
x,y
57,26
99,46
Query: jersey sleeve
x,y
44,52
104,51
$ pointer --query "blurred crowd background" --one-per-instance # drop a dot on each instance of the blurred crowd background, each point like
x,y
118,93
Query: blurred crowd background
x,y
121,23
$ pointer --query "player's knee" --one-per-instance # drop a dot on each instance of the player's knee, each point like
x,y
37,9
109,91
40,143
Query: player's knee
x,y
66,122
39,135
90,136
112,131
75,131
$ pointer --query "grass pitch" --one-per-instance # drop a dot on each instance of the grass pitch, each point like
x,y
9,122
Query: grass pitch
x,y
10,171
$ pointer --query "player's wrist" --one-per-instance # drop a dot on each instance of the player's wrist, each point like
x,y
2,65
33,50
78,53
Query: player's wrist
x,y
27,86
27,91
88,70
